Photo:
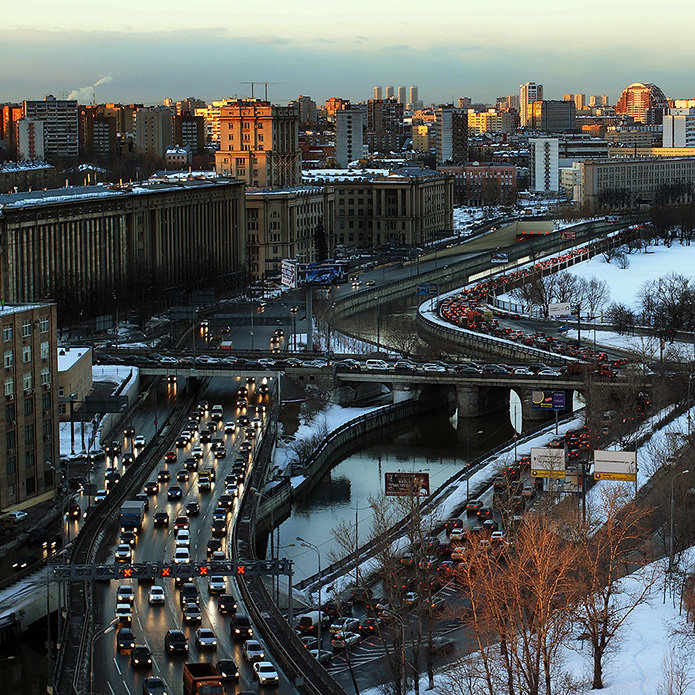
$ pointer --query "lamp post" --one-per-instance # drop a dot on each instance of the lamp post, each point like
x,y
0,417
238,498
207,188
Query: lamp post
x,y
72,398
273,547
109,628
670,538
402,623
690,376
468,463
294,310
315,548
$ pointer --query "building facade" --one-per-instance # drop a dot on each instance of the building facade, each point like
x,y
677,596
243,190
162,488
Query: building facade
x,y
23,176
85,244
60,129
478,184
189,131
349,136
553,116
29,421
334,104
643,101
528,93
154,131
259,143
30,139
679,128
451,126
544,165
98,131
385,130
74,377
491,121
287,223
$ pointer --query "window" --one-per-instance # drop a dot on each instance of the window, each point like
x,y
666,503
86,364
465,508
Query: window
x,y
61,392
28,381
29,434
26,354
43,324
44,350
7,333
9,412
46,402
28,406
8,359
9,386
26,329
31,484
29,459
11,466
45,377
62,408
46,428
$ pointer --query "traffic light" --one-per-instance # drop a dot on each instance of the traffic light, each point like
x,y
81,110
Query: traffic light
x,y
166,571
202,570
240,569
127,573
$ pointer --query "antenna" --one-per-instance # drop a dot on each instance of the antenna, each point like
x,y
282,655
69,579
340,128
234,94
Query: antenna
x,y
263,83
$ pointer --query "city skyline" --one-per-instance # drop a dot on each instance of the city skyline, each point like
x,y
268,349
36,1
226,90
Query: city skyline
x,y
344,53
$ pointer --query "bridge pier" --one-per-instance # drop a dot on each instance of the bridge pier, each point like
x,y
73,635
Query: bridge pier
x,y
401,392
474,401
528,412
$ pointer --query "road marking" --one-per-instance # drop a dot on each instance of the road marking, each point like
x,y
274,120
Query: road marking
x,y
127,688
118,668
110,687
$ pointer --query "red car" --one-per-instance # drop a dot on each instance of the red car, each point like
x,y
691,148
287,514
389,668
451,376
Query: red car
x,y
170,457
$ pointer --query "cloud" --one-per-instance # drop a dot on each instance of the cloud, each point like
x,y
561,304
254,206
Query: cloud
x,y
84,94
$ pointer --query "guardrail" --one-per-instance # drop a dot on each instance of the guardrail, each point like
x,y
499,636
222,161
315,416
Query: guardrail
x,y
365,552
310,676
85,547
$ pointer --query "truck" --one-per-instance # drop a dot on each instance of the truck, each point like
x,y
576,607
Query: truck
x,y
132,515
201,679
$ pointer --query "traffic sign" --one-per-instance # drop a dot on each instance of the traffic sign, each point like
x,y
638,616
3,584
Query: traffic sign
x,y
627,477
428,289
545,473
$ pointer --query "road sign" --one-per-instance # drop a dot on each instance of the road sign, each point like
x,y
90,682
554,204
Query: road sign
x,y
407,484
548,400
428,289
568,234
105,404
289,273
556,309
186,312
103,323
547,463
615,465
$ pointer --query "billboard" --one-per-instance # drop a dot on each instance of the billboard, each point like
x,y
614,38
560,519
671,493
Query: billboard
x,y
556,309
289,273
568,234
105,404
615,465
499,257
407,484
547,463
321,274
548,400
428,289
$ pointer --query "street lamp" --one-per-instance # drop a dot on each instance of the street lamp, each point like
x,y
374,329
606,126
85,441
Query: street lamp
x,y
72,398
294,311
468,462
690,376
400,619
315,548
273,545
109,628
670,540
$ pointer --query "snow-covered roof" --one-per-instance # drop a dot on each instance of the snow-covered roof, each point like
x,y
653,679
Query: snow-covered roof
x,y
26,165
383,174
69,356
6,309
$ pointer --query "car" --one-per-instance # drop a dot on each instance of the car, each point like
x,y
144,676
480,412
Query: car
x,y
226,500
124,614
229,427
181,441
323,656
218,556
181,556
127,459
156,596
125,640
129,538
411,599
182,476
370,626
197,452
191,614
433,367
310,642
124,553
226,604
125,594
192,509
170,456
217,584
473,506
457,534
128,431
181,522
176,642
191,464
205,638
348,624
205,437
219,527
151,487
253,650
342,640
240,627
227,669
113,449
214,544
265,673
141,656
163,476
231,489
154,685
183,538
144,498
139,442
174,492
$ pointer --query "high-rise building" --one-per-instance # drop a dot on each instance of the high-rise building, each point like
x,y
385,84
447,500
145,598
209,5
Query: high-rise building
x,y
349,137
413,95
465,102
9,115
402,95
189,131
645,102
154,130
259,143
552,116
29,418
491,121
528,93
679,128
378,93
60,129
385,131
390,92
580,102
30,138
308,113
544,165
423,136
451,126
335,104
97,131
211,118
510,102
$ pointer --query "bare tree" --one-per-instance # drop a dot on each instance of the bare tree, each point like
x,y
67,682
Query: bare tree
x,y
677,675
596,295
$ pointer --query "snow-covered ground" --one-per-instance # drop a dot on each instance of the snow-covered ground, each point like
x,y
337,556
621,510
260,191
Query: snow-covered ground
x,y
648,346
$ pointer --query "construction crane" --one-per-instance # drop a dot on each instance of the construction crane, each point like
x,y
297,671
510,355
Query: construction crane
x,y
263,83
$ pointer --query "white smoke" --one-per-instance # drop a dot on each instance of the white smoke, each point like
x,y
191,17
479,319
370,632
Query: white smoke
x,y
84,94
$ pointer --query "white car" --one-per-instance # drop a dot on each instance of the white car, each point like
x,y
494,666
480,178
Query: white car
x,y
124,553
139,442
197,452
156,596
124,614
229,427
217,585
457,534
431,367
125,594
218,556
17,516
205,638
266,362
183,538
323,656
253,650
100,496
181,556
341,640
524,371
265,673
232,489
344,625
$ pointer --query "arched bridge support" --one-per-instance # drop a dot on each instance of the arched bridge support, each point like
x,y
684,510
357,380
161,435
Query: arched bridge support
x,y
474,401
530,413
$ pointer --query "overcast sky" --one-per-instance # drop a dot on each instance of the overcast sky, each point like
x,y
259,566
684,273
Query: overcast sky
x,y
145,51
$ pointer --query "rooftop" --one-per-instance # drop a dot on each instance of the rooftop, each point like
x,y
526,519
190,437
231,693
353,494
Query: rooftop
x,y
27,165
6,309
385,174
68,356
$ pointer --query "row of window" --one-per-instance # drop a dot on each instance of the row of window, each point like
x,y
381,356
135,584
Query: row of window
x,y
30,483
27,381
29,435
28,408
8,357
7,331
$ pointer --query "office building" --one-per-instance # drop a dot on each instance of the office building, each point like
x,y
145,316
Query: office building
x,y
465,103
491,121
308,113
477,184
385,130
80,253
599,100
154,131
259,143
30,139
581,146
402,95
414,101
451,127
644,102
287,223
528,93
552,116
189,131
679,128
349,136
402,206
543,165
335,104
60,125
98,131
29,417
378,93
390,92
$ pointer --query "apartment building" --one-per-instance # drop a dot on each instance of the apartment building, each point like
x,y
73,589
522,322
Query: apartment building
x,y
154,131
477,184
528,93
451,127
98,131
552,116
189,131
29,417
544,165
349,136
30,139
259,143
385,129
491,121
60,129
679,128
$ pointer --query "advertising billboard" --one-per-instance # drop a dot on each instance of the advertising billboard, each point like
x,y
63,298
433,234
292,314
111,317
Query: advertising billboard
x,y
321,274
499,257
407,484
547,463
615,465
556,309
548,400
289,273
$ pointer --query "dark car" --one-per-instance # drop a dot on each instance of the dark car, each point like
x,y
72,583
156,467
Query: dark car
x,y
154,685
370,626
228,670
161,519
226,603
174,492
113,449
164,476
219,527
125,640
191,464
127,459
151,487
182,475
192,509
141,656
143,497
240,627
213,545
175,642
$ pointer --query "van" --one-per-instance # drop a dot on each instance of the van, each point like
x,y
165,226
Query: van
x,y
217,412
309,622
376,364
